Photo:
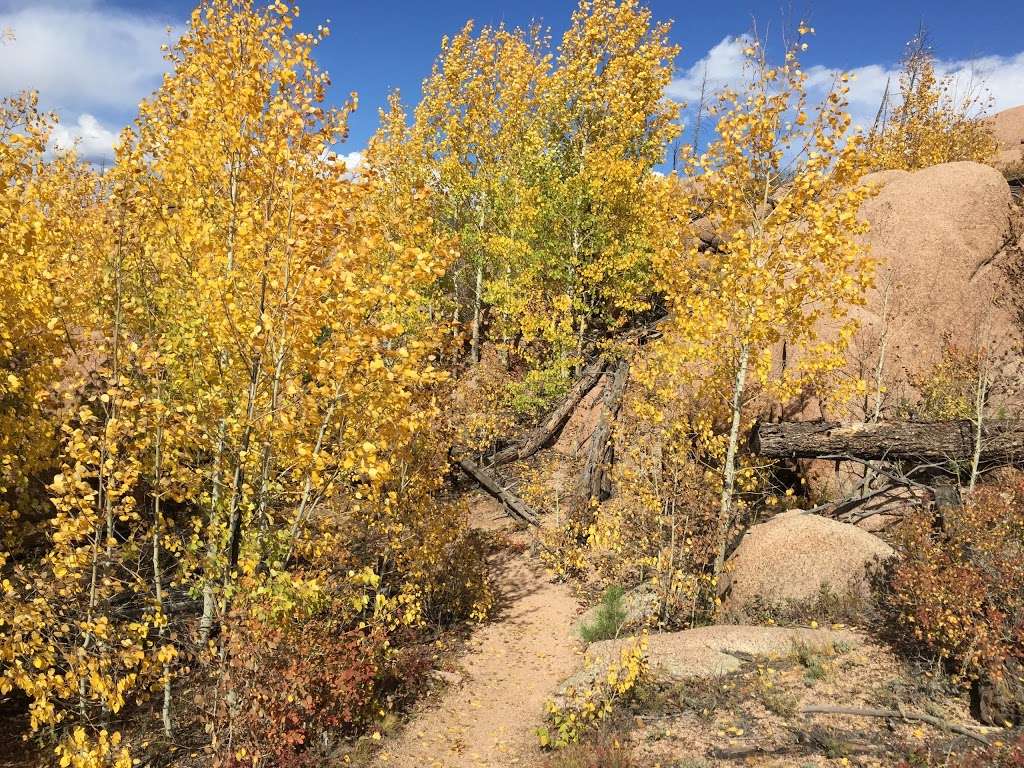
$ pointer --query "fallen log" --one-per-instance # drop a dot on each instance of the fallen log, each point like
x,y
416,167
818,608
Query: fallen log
x,y
540,436
1002,440
515,506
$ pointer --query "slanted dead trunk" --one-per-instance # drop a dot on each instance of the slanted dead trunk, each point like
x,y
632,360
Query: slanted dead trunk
x,y
595,481
514,505
547,432
595,484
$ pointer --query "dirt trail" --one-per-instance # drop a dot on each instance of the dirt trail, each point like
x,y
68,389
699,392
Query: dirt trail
x,y
512,666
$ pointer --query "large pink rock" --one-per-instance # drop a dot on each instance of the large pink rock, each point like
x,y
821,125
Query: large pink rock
x,y
1008,127
938,236
795,555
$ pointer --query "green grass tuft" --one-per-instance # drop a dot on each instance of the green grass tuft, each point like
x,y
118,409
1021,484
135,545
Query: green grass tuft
x,y
611,615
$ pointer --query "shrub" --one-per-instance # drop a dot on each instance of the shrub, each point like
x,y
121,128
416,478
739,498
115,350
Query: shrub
x,y
540,389
79,750
659,527
291,686
957,595
999,755
947,390
581,711
604,750
826,607
611,615
813,661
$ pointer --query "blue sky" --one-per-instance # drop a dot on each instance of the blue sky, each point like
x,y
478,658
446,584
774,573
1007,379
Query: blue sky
x,y
92,60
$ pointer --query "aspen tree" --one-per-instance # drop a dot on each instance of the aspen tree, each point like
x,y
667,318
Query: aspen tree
x,y
225,359
473,138
608,125
937,119
538,165
780,185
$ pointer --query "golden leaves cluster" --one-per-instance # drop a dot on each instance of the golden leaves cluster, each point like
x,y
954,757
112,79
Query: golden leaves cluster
x,y
537,166
779,187
218,361
937,119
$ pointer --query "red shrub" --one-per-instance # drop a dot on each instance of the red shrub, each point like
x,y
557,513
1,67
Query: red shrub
x,y
958,593
288,691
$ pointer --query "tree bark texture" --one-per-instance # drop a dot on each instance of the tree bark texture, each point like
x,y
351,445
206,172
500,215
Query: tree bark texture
x,y
1002,441
596,480
515,506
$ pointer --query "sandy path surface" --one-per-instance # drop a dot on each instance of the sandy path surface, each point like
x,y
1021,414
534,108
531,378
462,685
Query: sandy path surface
x,y
512,665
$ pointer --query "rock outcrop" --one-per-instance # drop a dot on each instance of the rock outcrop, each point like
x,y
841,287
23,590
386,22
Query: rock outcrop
x,y
1008,127
707,651
793,556
939,236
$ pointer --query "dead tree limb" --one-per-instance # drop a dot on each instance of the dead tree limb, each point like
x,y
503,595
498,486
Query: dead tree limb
x,y
899,479
942,441
595,483
545,433
891,499
515,506
895,714
548,430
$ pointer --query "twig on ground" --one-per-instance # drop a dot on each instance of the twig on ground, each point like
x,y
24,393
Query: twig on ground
x,y
823,709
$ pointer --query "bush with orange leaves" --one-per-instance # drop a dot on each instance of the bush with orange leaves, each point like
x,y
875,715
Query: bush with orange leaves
x,y
290,688
957,594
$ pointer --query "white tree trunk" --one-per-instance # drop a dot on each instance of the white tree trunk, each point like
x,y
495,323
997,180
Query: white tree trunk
x,y
477,304
980,397
725,509
158,584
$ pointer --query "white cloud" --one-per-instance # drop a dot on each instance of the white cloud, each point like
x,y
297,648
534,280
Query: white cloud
x,y
91,63
353,160
82,56
91,140
722,66
1002,76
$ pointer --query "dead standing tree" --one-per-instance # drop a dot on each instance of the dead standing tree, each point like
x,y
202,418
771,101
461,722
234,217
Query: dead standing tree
x,y
595,482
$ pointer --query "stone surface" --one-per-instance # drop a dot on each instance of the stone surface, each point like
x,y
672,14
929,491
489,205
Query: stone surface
x,y
640,605
792,556
1008,127
706,651
939,236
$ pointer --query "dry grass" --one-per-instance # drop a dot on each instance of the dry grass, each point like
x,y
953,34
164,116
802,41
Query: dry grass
x,y
752,716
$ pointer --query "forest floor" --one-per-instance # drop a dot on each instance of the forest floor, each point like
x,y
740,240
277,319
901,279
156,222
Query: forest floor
x,y
499,681
489,714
